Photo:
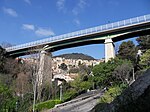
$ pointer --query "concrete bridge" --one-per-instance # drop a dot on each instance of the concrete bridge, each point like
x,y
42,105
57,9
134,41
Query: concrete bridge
x,y
104,34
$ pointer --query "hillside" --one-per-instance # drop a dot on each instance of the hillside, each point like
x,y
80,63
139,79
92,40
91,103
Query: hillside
x,y
136,98
76,56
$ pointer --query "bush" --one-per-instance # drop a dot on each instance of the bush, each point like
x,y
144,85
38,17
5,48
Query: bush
x,y
7,100
112,93
46,105
70,94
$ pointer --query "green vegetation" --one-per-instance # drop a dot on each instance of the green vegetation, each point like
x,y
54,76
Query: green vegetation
x,y
112,93
127,50
145,58
144,42
7,100
104,73
69,94
2,59
46,105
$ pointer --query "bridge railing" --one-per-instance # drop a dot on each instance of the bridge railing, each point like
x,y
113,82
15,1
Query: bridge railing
x,y
98,29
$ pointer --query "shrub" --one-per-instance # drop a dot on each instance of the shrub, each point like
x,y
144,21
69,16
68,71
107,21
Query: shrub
x,y
70,94
46,105
111,94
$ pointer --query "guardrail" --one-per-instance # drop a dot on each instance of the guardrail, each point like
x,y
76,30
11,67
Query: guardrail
x,y
110,26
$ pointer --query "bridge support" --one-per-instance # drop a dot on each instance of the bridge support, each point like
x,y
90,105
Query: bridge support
x,y
109,49
44,79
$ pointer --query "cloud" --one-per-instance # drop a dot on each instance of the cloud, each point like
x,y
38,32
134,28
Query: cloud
x,y
44,32
10,12
77,22
79,7
39,31
28,27
28,2
60,4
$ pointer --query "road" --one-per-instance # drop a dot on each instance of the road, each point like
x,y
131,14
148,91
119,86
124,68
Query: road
x,y
84,105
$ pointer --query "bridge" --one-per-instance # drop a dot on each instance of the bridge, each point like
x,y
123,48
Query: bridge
x,y
105,34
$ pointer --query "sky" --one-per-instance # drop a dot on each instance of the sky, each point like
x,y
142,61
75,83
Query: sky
x,y
23,21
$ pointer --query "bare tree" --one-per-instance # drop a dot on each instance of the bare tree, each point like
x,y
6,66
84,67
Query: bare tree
x,y
6,44
123,73
40,67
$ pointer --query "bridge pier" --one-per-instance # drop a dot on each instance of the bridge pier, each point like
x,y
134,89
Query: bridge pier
x,y
44,78
109,49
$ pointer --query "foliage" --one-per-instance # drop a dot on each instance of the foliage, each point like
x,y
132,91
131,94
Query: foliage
x,y
103,72
144,42
76,83
127,50
85,85
145,58
69,94
2,59
80,83
112,93
123,73
63,66
46,105
84,70
8,101
25,102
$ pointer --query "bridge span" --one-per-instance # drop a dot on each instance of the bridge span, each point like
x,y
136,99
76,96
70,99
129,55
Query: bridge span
x,y
106,34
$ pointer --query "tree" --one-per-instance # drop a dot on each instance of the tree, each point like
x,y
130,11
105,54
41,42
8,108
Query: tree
x,y
145,58
2,59
144,42
6,44
127,50
103,71
123,73
63,66
22,84
84,69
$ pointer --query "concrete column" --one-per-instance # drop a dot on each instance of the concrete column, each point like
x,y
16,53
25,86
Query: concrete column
x,y
45,72
109,49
